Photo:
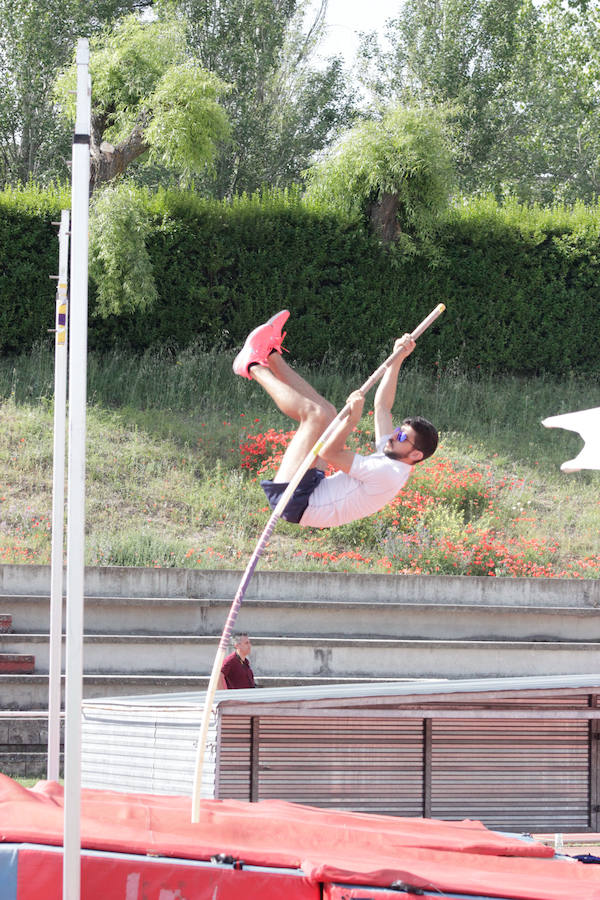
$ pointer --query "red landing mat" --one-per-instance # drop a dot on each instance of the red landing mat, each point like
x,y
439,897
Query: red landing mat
x,y
324,847
126,877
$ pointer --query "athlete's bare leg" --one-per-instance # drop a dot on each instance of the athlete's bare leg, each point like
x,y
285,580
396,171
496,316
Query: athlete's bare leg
x,y
285,373
297,399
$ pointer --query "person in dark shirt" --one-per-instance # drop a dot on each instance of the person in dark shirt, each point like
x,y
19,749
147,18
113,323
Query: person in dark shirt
x,y
236,673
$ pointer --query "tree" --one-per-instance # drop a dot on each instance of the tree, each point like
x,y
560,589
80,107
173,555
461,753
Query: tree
x,y
283,110
519,80
458,54
36,39
149,99
150,103
558,147
395,172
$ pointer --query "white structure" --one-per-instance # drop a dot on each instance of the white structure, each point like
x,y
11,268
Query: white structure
x,y
58,500
76,489
587,424
516,753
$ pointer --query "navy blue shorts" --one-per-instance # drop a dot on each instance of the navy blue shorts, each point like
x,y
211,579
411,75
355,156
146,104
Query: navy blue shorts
x,y
299,499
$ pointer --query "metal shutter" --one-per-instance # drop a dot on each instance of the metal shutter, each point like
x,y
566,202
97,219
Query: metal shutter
x,y
370,765
234,758
518,774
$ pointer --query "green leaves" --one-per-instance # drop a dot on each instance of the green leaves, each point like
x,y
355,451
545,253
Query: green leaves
x,y
404,155
120,263
187,119
520,79
37,40
149,95
282,107
127,62
170,85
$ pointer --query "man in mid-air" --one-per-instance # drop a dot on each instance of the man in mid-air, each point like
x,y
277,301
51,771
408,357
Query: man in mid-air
x,y
362,485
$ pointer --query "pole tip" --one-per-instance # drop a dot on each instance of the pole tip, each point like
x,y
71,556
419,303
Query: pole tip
x,y
441,307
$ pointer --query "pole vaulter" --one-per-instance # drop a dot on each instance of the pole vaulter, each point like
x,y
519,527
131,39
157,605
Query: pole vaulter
x,y
262,543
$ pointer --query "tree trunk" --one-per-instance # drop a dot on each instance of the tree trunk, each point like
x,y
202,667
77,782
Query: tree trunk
x,y
108,162
383,215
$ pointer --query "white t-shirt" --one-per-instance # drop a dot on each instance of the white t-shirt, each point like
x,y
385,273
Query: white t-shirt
x,y
369,486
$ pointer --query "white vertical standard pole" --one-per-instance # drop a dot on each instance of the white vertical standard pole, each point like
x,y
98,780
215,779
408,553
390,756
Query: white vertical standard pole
x,y
80,185
58,501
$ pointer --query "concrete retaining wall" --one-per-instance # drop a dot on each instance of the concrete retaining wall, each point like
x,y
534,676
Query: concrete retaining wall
x,y
114,581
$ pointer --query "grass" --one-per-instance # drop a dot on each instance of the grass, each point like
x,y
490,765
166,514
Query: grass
x,y
165,484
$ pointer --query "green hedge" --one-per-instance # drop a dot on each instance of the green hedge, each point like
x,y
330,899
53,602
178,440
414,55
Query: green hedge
x,y
521,286
28,259
223,270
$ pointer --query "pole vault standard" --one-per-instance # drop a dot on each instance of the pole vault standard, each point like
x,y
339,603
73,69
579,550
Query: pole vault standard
x,y
58,501
262,543
80,188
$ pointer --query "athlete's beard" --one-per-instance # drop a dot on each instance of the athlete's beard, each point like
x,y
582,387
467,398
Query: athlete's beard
x,y
391,455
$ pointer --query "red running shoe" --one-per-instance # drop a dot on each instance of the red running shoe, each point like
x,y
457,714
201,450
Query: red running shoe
x,y
260,343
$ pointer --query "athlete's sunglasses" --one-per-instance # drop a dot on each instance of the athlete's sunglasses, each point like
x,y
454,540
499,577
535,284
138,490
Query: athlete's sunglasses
x,y
400,435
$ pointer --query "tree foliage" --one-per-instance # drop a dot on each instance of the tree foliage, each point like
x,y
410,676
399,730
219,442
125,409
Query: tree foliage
x,y
518,77
120,264
282,108
187,119
557,149
149,99
395,171
36,40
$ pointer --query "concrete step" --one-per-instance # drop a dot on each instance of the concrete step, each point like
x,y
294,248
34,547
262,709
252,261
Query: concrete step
x,y
24,730
116,581
15,663
318,656
26,763
327,618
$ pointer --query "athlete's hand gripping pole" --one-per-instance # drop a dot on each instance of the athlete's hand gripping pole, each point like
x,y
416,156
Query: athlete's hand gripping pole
x,y
262,543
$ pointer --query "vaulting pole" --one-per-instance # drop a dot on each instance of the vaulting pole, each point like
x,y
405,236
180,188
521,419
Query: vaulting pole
x,y
262,543
58,501
80,186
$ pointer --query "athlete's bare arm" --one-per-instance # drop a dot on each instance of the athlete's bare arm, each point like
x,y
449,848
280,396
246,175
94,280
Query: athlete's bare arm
x,y
386,392
334,450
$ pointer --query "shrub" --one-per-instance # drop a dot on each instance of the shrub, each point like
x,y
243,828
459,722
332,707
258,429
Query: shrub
x,y
521,285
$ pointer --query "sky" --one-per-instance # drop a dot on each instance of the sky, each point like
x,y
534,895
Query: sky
x,y
347,17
